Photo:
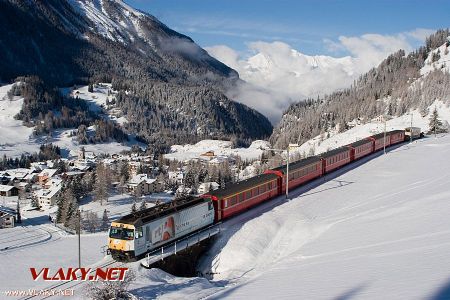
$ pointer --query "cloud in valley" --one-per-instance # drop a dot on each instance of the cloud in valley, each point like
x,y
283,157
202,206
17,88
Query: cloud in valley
x,y
279,75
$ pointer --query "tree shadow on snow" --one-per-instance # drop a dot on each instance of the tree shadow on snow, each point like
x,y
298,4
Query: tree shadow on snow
x,y
443,293
347,295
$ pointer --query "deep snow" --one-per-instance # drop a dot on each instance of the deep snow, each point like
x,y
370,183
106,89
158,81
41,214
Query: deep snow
x,y
377,228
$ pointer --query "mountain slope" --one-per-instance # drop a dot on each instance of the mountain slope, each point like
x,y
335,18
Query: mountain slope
x,y
158,71
399,84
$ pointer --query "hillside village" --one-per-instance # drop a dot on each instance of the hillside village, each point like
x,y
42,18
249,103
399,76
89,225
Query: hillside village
x,y
61,186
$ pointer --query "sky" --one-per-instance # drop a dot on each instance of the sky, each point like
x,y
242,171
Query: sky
x,y
304,25
274,45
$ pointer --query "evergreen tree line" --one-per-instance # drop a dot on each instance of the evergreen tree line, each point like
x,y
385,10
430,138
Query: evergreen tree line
x,y
46,152
45,108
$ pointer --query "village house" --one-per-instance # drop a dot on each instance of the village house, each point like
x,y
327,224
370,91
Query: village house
x,y
176,176
208,155
48,197
205,187
8,191
133,168
142,185
7,218
45,175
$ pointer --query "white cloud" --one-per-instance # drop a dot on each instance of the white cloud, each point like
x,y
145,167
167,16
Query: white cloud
x,y
420,33
279,74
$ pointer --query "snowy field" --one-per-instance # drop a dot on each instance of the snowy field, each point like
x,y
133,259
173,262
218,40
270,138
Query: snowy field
x,y
188,152
377,229
38,243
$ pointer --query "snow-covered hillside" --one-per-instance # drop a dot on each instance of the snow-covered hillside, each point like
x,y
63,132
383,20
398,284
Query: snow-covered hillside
x,y
98,100
15,138
118,27
12,131
437,59
378,230
321,144
220,148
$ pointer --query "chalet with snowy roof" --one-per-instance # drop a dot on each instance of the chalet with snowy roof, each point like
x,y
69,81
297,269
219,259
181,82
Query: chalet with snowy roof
x,y
141,184
7,217
8,191
45,175
55,181
208,155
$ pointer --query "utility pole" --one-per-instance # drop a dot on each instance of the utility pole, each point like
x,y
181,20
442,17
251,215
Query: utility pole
x,y
384,139
287,168
411,130
79,238
287,174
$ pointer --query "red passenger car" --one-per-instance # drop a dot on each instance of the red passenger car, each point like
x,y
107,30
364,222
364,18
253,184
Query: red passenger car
x,y
336,158
397,136
299,172
239,196
360,149
378,141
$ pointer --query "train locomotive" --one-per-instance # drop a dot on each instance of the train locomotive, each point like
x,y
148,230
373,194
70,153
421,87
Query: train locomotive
x,y
134,235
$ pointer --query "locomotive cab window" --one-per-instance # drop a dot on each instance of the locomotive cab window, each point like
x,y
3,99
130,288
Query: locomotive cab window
x,y
121,233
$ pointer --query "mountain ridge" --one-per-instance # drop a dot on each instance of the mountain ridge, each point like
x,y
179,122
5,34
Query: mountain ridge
x,y
155,68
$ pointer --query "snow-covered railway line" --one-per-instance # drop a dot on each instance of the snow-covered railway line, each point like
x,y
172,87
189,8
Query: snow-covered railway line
x,y
30,240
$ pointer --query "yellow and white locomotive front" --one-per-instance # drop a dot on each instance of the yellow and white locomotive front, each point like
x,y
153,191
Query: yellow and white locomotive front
x,y
121,241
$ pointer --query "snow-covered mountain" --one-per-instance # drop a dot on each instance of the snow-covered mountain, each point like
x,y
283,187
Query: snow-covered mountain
x,y
172,89
280,68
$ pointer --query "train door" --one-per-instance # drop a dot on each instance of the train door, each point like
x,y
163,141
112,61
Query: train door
x,y
352,153
279,185
217,210
324,164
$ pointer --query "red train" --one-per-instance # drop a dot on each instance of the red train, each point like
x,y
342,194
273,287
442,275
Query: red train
x,y
242,195
134,235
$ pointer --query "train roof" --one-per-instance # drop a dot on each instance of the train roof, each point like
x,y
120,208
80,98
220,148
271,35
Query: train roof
x,y
243,185
158,211
298,164
334,152
379,135
396,131
360,142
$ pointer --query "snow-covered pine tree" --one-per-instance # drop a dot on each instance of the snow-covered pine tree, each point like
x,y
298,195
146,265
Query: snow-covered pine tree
x,y
133,208
19,217
142,206
105,220
435,123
